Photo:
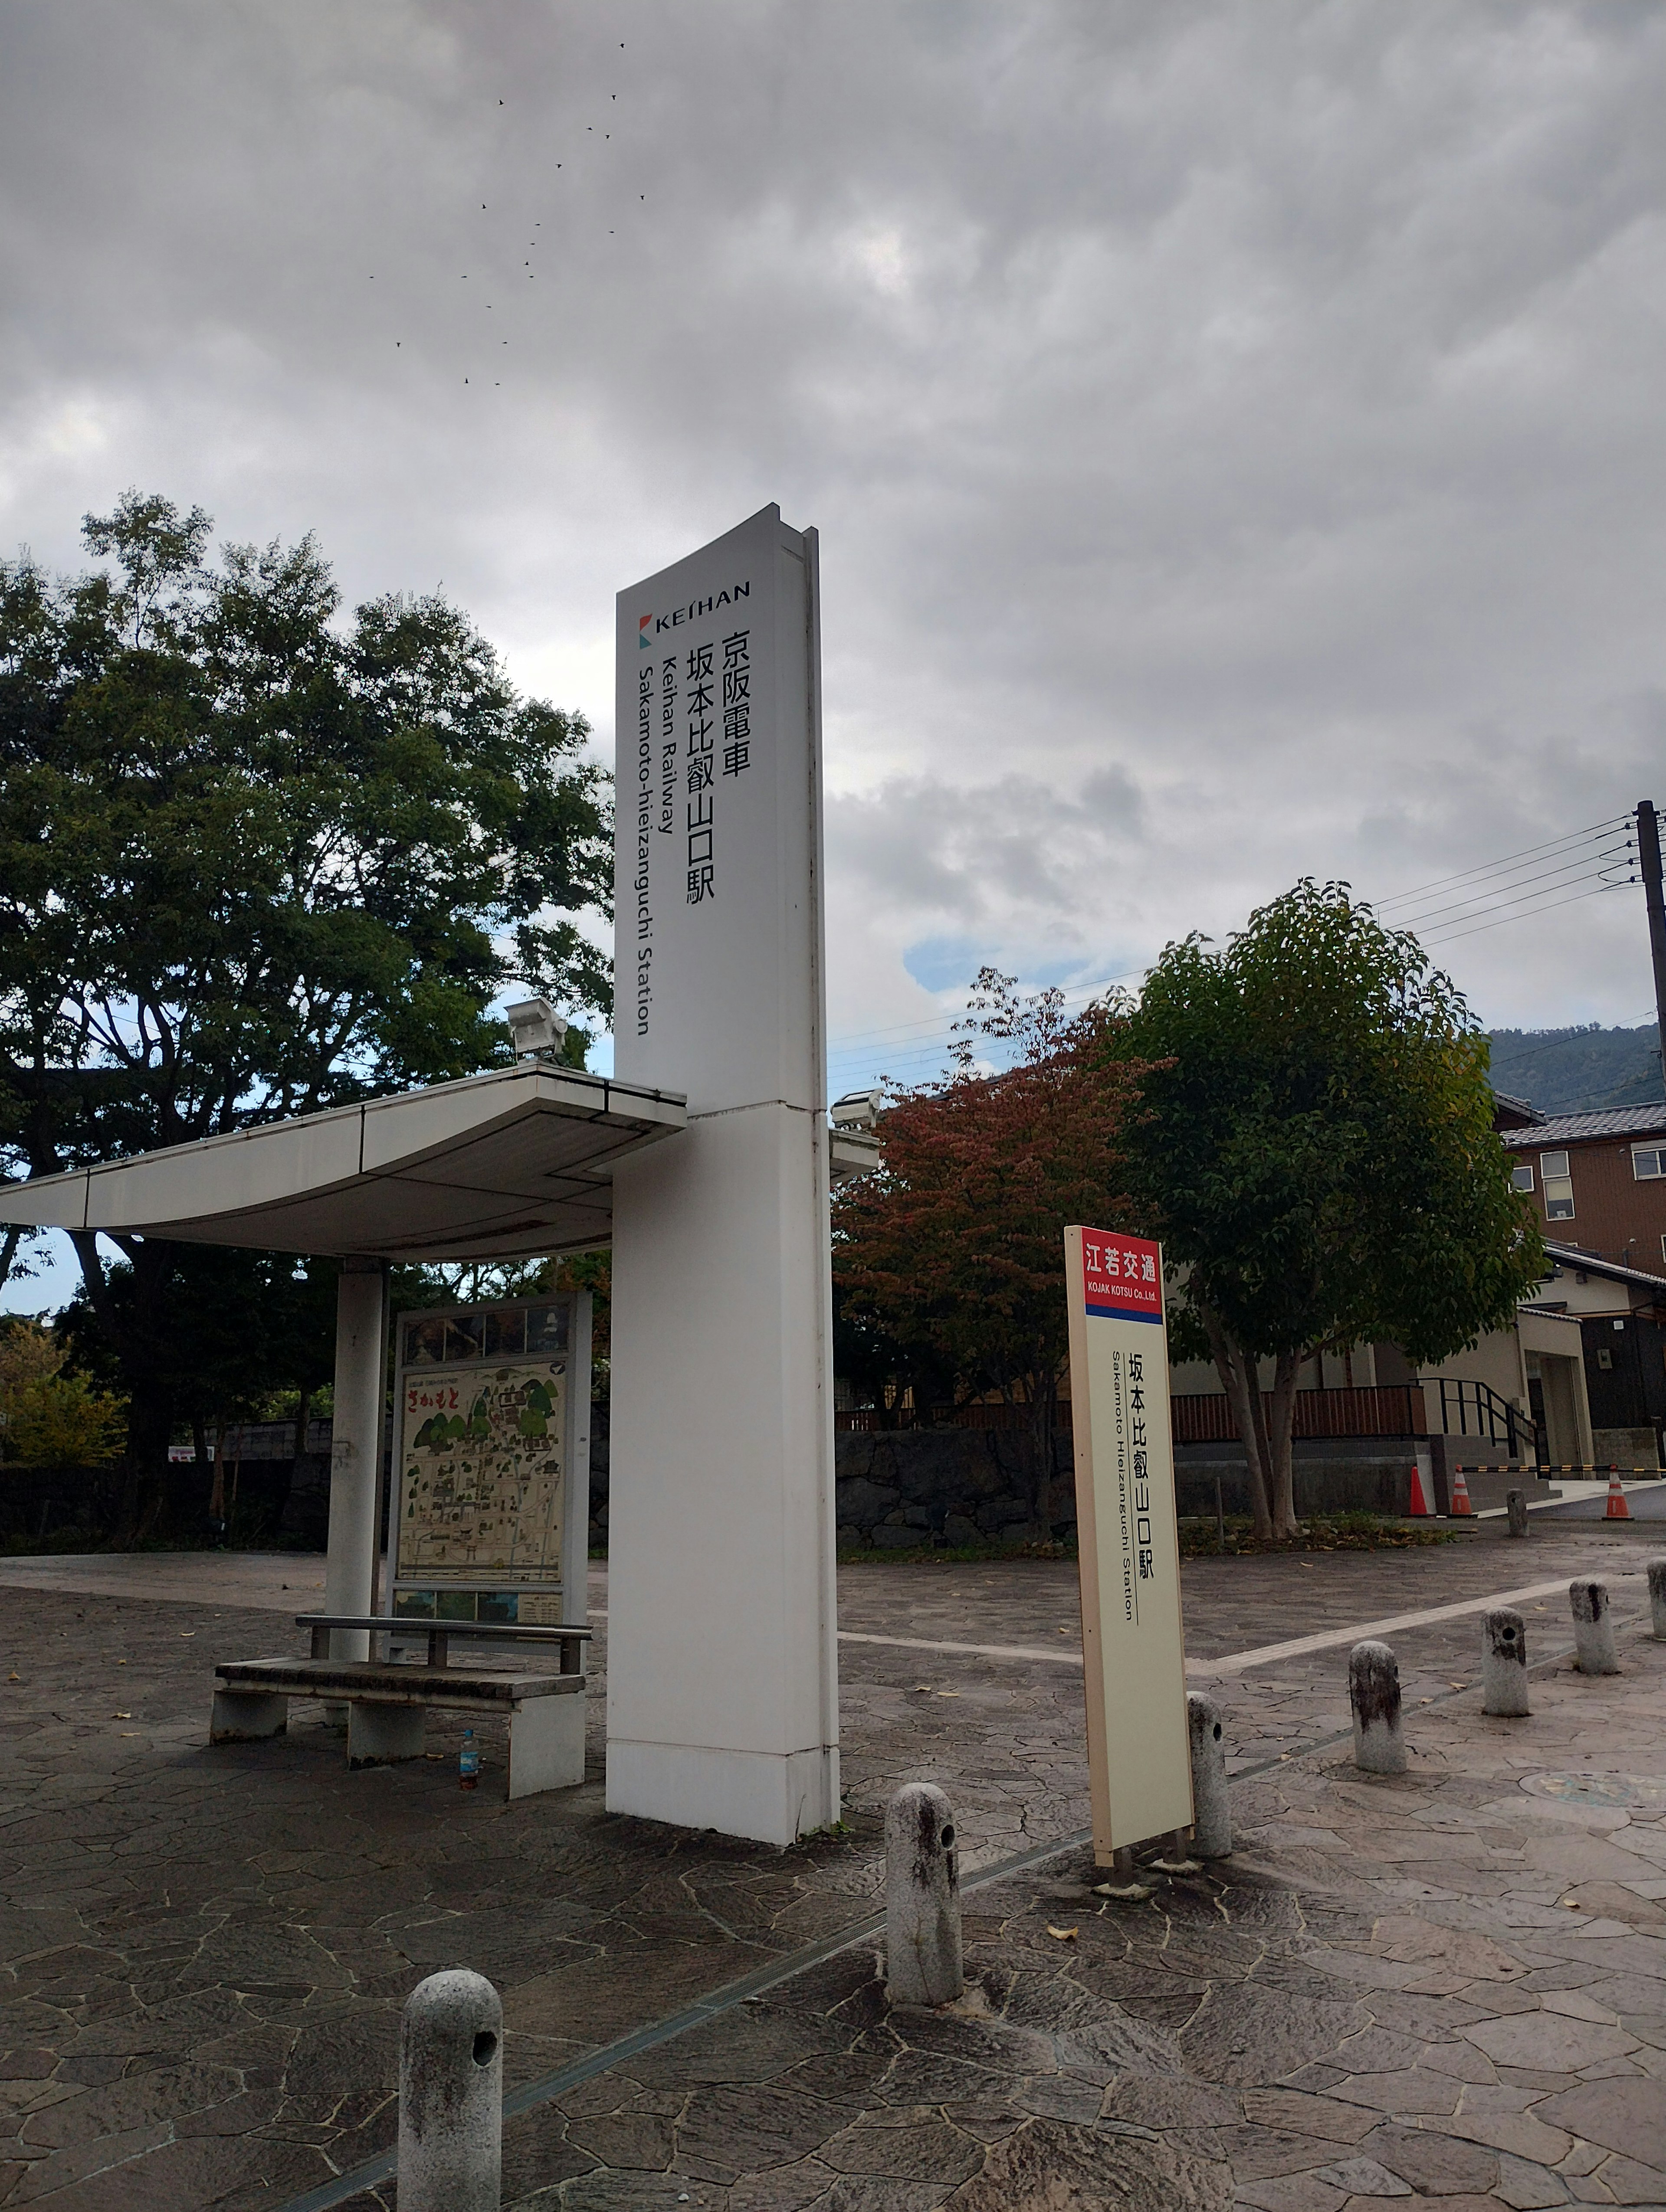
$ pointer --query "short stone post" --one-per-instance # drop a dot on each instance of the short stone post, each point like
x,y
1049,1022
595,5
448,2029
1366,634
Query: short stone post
x,y
922,1899
1503,1663
1374,1694
1212,1821
1515,1505
451,2095
1593,1628
1657,1598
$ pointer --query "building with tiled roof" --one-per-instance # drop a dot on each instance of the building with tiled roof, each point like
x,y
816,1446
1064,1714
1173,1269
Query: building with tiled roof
x,y
1597,1180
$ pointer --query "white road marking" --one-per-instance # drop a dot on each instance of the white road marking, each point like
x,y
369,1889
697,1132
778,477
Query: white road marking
x,y
968,1650
1326,1639
1265,1655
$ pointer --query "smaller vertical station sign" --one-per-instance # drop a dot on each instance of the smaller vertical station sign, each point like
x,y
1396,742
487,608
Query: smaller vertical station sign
x,y
1133,1645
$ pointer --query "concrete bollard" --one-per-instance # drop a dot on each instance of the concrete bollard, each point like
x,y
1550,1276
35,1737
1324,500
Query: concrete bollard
x,y
1657,1597
1593,1628
1515,1505
451,2095
1503,1663
922,1899
1212,1814
1374,1694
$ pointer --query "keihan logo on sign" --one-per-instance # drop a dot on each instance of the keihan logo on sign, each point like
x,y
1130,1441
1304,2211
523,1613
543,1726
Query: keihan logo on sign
x,y
1122,1277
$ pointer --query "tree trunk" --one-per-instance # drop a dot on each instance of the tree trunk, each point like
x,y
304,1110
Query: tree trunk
x,y
1238,1379
1280,1421
150,1398
217,1488
150,1432
1043,1406
300,1463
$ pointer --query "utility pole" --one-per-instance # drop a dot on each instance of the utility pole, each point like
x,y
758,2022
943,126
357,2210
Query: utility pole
x,y
1648,853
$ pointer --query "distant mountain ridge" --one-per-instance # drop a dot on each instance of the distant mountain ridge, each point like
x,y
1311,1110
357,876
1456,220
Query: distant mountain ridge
x,y
1578,1070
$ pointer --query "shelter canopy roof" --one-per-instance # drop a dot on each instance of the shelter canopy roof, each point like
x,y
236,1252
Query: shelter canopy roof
x,y
499,1166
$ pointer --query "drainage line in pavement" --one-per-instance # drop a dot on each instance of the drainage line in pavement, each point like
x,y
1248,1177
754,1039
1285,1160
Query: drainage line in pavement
x,y
374,2170
531,2093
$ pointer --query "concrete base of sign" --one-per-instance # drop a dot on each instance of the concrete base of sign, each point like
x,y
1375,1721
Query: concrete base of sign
x,y
722,1697
758,1795
380,1736
245,1716
546,1744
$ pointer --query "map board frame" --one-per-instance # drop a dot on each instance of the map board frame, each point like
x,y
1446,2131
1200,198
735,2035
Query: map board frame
x,y
1133,1636
557,1590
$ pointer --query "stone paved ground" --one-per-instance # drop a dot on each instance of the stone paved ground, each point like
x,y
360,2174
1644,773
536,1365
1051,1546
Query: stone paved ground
x,y
1443,1985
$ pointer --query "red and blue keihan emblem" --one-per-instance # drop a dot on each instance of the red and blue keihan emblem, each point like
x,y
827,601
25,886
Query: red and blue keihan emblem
x,y
1122,1276
642,632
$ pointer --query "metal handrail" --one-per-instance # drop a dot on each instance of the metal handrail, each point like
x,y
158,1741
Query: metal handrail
x,y
1493,1416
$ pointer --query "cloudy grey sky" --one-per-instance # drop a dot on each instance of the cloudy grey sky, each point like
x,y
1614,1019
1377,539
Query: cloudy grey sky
x,y
1234,430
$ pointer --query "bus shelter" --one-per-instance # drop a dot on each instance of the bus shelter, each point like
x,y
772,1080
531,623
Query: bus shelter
x,y
505,1165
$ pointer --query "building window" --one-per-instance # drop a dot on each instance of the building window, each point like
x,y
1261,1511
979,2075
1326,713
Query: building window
x,y
1558,1186
1522,1177
1648,1162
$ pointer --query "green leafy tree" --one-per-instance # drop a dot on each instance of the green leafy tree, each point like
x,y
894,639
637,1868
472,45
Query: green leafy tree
x,y
248,1328
955,1244
47,1418
1319,1157
258,857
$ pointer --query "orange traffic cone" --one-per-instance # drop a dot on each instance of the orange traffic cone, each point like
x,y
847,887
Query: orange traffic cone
x,y
1617,1508
1460,1495
1419,1504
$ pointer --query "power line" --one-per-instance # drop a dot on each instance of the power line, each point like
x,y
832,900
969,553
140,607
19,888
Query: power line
x,y
1514,888
1482,928
1575,870
1490,867
929,1039
943,1022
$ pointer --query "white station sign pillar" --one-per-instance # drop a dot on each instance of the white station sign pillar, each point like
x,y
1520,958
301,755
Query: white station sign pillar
x,y
722,1692
1134,1638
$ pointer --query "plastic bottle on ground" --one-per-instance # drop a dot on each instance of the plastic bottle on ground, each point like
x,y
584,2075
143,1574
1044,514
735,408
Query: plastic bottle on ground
x,y
468,1762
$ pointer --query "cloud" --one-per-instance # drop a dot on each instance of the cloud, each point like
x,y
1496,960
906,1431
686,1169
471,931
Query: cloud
x,y
1233,432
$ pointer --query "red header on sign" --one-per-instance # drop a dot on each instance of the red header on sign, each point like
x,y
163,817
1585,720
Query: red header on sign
x,y
1122,1277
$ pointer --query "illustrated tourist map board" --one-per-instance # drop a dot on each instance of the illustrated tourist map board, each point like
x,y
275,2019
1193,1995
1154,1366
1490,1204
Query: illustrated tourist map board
x,y
492,1415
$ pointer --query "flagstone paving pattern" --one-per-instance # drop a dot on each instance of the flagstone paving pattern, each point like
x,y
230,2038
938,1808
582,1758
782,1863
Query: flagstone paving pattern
x,y
1439,1985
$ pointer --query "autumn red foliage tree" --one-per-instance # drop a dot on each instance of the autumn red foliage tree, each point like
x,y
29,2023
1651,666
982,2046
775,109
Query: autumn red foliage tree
x,y
955,1246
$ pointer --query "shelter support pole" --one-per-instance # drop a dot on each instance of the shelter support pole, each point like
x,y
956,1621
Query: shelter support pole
x,y
355,1448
